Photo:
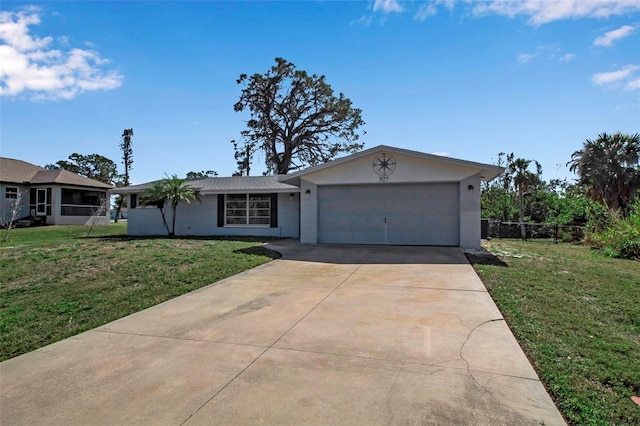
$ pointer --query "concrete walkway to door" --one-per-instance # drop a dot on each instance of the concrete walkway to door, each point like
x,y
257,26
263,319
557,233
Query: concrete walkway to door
x,y
325,335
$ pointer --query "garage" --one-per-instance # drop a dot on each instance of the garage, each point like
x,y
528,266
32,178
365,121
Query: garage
x,y
405,214
388,195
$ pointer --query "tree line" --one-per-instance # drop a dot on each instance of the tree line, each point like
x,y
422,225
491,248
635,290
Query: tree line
x,y
608,175
604,199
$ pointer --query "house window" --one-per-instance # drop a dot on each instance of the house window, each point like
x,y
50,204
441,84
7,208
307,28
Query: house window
x,y
248,209
11,192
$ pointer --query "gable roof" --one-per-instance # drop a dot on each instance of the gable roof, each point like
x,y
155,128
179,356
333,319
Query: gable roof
x,y
224,185
487,171
23,173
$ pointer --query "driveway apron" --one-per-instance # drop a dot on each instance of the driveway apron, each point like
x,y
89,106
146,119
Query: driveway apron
x,y
324,335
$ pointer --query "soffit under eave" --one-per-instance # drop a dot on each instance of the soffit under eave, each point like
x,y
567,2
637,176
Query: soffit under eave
x,y
250,191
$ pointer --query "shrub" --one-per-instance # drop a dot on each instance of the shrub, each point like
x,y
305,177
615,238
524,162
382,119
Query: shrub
x,y
616,235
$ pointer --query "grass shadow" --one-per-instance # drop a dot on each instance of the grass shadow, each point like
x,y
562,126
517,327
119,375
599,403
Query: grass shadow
x,y
124,237
259,251
485,258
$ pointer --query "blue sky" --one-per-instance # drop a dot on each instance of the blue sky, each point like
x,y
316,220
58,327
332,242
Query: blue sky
x,y
467,79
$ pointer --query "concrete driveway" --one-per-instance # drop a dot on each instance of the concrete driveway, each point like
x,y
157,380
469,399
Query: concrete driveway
x,y
325,335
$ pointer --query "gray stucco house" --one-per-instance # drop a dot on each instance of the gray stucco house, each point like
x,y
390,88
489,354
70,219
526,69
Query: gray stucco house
x,y
383,195
55,197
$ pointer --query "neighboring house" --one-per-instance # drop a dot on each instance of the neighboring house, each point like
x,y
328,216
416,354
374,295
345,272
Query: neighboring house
x,y
382,195
114,211
57,197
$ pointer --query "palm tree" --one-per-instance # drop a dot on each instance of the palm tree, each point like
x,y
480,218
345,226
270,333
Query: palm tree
x,y
173,190
609,168
523,179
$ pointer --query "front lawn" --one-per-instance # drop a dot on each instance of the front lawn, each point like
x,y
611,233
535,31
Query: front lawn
x,y
56,283
576,314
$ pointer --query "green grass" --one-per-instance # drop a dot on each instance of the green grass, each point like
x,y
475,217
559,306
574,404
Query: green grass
x,y
56,283
576,314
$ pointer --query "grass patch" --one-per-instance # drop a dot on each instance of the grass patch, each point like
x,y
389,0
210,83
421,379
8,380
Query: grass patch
x,y
576,314
56,283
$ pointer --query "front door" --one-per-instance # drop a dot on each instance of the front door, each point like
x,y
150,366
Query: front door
x,y
41,202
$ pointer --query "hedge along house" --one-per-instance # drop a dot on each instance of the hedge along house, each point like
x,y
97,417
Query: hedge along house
x,y
54,197
382,195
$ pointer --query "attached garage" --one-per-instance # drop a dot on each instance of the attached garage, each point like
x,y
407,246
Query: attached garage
x,y
411,214
387,195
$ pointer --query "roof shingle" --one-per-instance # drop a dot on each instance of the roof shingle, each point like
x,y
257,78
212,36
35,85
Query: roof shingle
x,y
18,171
224,185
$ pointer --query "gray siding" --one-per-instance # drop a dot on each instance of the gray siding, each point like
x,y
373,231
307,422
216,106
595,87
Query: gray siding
x,y
6,204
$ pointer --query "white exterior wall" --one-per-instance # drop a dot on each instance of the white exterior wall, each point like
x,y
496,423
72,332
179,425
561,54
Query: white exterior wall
x,y
470,212
308,212
200,218
144,221
289,215
55,218
408,170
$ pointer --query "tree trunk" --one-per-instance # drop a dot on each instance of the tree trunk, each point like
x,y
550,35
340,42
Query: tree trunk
x,y
118,208
173,223
523,228
164,220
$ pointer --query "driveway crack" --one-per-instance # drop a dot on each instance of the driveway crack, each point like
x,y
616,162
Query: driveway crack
x,y
483,387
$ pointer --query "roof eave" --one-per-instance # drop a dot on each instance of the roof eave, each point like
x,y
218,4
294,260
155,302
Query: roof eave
x,y
250,191
490,173
487,171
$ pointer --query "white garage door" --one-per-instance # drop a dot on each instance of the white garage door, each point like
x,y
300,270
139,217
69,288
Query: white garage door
x,y
411,214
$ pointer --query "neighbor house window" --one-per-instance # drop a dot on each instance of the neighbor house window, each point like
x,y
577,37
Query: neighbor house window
x,y
248,209
11,192
80,202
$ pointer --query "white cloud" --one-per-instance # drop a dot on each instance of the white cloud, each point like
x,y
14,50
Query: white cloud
x,y
29,64
608,38
425,11
567,57
449,4
526,57
365,20
539,12
387,6
633,85
545,11
626,77
546,52
441,153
